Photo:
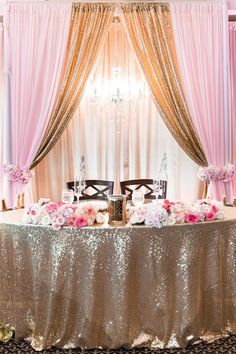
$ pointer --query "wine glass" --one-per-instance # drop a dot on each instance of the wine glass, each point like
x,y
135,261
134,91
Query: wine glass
x,y
137,197
67,196
156,187
80,188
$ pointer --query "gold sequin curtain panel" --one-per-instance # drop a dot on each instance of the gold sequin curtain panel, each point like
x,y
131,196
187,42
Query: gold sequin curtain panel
x,y
88,30
149,29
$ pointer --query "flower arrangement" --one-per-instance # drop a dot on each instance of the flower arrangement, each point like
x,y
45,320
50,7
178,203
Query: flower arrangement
x,y
17,174
213,173
60,214
169,213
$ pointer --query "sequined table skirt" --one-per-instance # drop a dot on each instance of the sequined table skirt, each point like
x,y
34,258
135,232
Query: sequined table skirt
x,y
113,287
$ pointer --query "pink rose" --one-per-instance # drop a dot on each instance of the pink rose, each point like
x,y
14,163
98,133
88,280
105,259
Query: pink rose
x,y
192,218
210,216
214,209
90,211
71,221
80,221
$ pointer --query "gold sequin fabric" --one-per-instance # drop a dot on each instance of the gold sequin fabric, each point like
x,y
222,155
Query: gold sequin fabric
x,y
149,29
118,287
88,30
221,346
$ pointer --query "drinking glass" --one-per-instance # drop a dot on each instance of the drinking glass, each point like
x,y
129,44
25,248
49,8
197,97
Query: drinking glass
x,y
156,187
67,196
137,197
80,186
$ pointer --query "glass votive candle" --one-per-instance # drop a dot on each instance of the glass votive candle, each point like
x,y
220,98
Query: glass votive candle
x,y
117,209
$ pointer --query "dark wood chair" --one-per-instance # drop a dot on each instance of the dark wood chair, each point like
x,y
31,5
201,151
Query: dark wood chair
x,y
95,189
146,184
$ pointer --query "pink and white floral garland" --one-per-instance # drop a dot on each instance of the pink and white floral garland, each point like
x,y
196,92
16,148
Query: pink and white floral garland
x,y
169,213
17,174
213,173
58,215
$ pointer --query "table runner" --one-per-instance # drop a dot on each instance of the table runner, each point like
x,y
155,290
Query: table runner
x,y
113,287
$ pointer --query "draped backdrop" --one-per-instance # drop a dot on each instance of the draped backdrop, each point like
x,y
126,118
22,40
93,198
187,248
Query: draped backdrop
x,y
200,35
232,60
1,109
88,30
51,51
119,141
149,30
37,35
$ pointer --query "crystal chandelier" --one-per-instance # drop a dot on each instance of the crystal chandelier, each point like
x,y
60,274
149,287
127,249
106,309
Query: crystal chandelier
x,y
119,89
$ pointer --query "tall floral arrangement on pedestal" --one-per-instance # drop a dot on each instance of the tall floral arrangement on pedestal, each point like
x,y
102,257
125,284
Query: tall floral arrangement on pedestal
x,y
16,174
212,174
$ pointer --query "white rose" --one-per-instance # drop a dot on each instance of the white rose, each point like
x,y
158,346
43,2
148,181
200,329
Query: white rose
x,y
46,220
100,218
26,218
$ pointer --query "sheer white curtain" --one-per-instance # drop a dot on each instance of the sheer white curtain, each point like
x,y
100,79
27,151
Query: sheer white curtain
x,y
119,141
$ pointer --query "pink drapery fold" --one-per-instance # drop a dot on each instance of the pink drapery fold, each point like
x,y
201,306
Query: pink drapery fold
x,y
232,62
38,35
199,32
1,109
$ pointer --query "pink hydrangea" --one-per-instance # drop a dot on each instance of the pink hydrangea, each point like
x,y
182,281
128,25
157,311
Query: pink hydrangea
x,y
213,173
17,174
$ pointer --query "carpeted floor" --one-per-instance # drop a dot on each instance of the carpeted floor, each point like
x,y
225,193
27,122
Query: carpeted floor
x,y
226,346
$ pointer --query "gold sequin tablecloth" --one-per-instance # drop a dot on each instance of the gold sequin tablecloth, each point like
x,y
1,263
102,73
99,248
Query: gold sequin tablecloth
x,y
113,287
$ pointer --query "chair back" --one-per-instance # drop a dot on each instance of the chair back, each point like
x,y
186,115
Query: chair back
x,y
95,189
127,188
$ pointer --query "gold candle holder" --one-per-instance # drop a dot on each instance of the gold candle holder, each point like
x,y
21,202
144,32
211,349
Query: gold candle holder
x,y
4,205
22,200
117,209
224,200
17,205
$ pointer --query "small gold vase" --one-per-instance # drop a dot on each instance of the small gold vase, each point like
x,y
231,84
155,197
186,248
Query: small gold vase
x,y
117,209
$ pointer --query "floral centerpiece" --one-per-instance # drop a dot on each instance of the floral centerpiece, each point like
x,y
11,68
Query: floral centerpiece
x,y
169,213
17,174
213,173
60,214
